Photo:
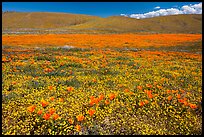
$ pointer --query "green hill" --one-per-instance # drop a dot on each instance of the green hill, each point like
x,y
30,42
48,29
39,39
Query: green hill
x,y
115,24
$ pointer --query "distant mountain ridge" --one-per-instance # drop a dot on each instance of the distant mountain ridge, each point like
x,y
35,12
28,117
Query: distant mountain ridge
x,y
79,23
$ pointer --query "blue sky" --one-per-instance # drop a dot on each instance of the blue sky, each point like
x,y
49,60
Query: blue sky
x,y
102,9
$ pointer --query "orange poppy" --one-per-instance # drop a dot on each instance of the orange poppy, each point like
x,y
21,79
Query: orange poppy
x,y
94,80
146,101
193,106
126,90
31,108
78,128
159,87
101,97
185,103
46,116
139,87
50,87
181,100
52,98
111,96
92,102
169,98
70,89
149,85
107,102
91,97
120,85
71,121
60,99
56,116
168,91
141,103
52,111
44,103
40,112
178,96
149,94
91,112
182,91
80,117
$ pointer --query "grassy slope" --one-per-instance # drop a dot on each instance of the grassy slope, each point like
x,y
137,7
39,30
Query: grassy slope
x,y
118,24
42,20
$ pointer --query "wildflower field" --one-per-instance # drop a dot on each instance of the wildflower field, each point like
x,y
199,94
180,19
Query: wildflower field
x,y
123,84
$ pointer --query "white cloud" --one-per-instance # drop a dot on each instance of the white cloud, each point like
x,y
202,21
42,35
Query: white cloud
x,y
186,9
157,7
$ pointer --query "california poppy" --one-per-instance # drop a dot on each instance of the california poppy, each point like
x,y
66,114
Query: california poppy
x,y
193,106
40,112
111,96
70,89
56,116
31,108
126,90
141,103
46,116
52,98
80,117
44,103
60,99
149,85
139,87
71,121
168,91
91,112
178,96
107,102
101,97
78,128
146,101
52,111
181,100
169,98
50,87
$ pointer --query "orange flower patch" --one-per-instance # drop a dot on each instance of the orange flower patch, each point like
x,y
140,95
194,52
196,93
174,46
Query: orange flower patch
x,y
168,91
71,121
78,128
141,103
126,90
61,100
107,102
40,112
169,98
31,108
70,89
80,117
91,112
149,85
52,98
44,103
139,87
193,106
111,96
52,111
159,87
46,116
56,116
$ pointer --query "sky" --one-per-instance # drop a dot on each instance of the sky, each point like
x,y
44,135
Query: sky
x,y
104,9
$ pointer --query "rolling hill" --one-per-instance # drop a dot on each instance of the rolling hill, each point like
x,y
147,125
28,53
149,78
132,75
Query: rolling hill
x,y
77,23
